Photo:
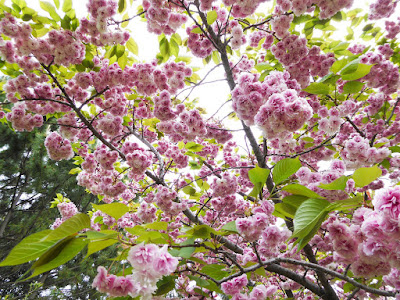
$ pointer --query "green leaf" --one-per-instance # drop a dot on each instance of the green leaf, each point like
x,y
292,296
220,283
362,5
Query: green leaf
x,y
120,50
211,17
165,285
364,176
231,226
285,168
258,176
350,67
197,30
352,87
186,252
192,146
132,46
121,5
338,184
96,246
298,189
361,71
201,231
317,88
308,218
46,6
57,3
188,190
122,61
69,251
199,281
74,224
115,210
215,271
161,225
67,6
29,249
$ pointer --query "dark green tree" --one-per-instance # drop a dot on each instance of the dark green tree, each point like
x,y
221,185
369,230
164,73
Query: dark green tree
x,y
29,181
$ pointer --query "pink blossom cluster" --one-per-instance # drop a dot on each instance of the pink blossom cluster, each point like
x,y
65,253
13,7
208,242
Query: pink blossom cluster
x,y
243,65
166,201
381,9
57,147
392,28
313,180
385,50
376,101
189,126
281,24
162,107
146,212
115,286
161,18
252,227
69,127
273,240
99,218
250,94
150,264
290,50
330,8
242,9
110,125
226,185
298,7
198,44
330,119
370,244
357,152
283,112
356,48
314,64
22,120
235,285
238,38
95,30
67,210
256,37
102,182
105,157
175,74
215,131
384,75
139,160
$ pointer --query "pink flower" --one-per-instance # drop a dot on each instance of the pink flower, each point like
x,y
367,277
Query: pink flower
x,y
142,256
165,263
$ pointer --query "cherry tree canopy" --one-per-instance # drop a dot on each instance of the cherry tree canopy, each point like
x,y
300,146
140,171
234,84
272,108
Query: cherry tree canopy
x,y
194,212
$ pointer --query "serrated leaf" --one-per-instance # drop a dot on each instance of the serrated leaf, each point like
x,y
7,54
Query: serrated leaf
x,y
308,218
285,168
352,87
165,285
46,6
197,30
361,71
115,210
96,246
337,185
67,6
231,226
298,189
364,176
211,17
57,3
258,176
69,251
132,46
215,271
70,226
29,249
160,225
186,252
121,5
188,190
317,88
